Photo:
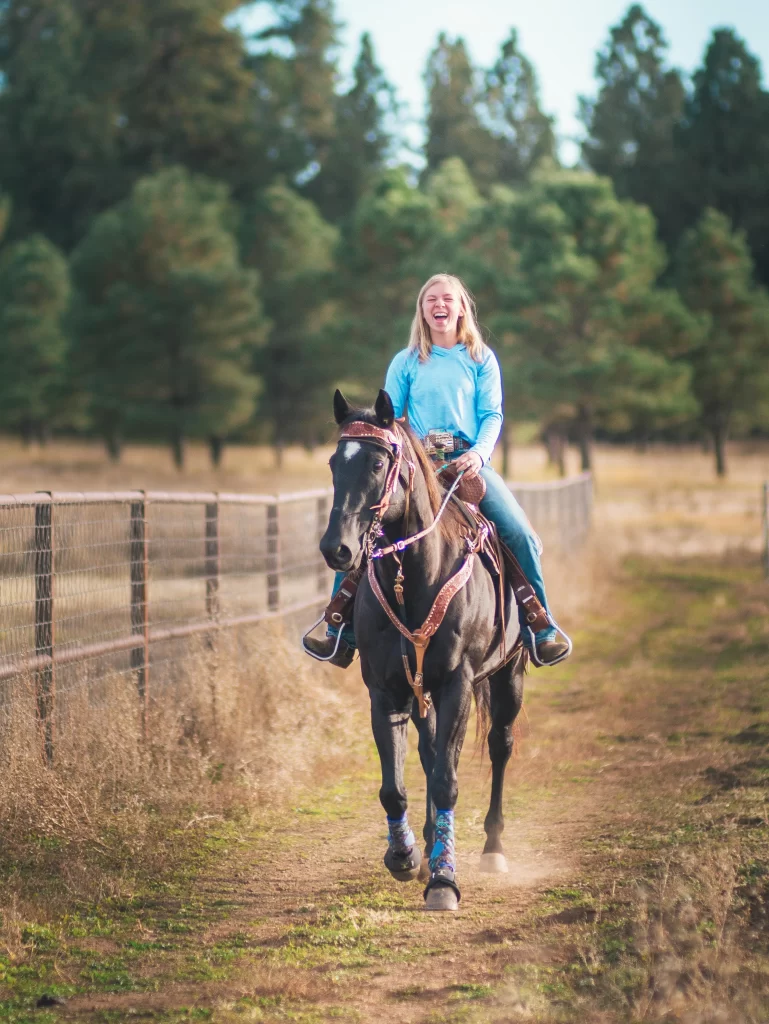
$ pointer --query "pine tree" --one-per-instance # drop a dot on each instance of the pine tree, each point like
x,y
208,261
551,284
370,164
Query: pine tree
x,y
363,119
34,293
724,143
572,299
730,356
382,266
454,127
95,97
456,196
631,125
524,134
294,92
288,242
166,320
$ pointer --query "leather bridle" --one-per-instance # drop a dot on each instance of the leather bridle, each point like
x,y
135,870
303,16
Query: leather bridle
x,y
393,444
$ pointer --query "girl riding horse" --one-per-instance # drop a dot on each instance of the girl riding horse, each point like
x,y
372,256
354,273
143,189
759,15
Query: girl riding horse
x,y
447,382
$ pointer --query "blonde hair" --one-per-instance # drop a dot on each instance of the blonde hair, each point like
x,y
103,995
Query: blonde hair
x,y
468,332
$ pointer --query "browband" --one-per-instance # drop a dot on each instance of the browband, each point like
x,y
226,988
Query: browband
x,y
370,432
388,440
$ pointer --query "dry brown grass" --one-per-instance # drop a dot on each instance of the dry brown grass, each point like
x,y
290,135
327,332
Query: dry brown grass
x,y
230,731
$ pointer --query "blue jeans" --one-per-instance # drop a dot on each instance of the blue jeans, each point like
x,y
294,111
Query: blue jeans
x,y
514,528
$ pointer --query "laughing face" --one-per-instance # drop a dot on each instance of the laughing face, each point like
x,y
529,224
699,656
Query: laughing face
x,y
442,310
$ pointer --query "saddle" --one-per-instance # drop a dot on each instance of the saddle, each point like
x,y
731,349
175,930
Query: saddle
x,y
496,556
499,559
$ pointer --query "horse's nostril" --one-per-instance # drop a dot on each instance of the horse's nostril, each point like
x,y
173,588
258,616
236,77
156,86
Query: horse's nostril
x,y
345,555
337,556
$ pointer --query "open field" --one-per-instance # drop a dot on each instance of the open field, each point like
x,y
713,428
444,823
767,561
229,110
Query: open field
x,y
666,499
70,465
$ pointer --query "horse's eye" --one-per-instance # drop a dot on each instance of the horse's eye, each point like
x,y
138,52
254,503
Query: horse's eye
x,y
378,464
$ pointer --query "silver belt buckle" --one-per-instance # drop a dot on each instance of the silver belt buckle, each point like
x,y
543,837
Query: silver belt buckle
x,y
440,442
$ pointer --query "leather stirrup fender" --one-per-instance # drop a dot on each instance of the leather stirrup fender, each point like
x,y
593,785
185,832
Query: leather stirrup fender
x,y
339,609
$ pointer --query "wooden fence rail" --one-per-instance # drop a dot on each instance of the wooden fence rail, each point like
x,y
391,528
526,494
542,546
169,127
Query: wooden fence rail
x,y
186,563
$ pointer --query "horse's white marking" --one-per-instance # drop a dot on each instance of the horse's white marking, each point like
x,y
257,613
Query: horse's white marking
x,y
350,449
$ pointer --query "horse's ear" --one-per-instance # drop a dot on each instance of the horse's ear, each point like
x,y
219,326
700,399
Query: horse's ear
x,y
383,407
342,407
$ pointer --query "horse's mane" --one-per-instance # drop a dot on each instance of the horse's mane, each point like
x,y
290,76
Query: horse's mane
x,y
452,524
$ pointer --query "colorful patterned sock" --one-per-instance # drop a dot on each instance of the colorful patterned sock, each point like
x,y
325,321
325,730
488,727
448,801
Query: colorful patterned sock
x,y
443,850
401,837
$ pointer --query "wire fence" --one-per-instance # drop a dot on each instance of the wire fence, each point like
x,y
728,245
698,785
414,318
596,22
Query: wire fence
x,y
94,585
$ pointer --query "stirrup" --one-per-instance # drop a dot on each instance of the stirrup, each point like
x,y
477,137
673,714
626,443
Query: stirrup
x,y
533,648
312,653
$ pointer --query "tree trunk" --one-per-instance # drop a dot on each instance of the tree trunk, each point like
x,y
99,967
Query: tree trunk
x,y
177,448
278,450
555,442
719,433
216,449
585,438
26,432
114,446
42,433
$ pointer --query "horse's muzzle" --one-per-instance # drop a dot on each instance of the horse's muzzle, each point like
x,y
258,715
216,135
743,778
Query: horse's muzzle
x,y
337,554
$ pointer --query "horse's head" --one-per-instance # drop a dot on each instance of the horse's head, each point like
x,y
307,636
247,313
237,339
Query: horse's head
x,y
366,468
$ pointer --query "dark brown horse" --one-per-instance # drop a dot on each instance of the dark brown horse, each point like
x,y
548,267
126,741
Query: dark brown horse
x,y
463,657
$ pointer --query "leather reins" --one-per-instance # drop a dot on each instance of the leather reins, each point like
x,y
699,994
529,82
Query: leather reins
x,y
420,638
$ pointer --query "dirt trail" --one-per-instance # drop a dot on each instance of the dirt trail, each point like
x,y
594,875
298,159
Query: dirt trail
x,y
636,836
323,924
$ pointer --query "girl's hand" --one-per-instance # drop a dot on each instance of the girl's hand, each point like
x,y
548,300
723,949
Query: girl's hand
x,y
471,463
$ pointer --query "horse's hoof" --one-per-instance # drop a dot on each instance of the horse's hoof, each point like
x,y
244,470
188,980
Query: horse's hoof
x,y
441,898
404,866
493,863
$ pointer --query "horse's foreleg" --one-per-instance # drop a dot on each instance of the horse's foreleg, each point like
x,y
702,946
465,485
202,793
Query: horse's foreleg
x,y
426,730
506,690
453,709
390,724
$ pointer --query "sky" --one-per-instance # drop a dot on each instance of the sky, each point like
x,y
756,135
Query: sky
x,y
560,37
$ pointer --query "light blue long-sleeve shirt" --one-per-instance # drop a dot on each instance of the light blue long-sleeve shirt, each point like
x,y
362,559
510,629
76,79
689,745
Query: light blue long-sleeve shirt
x,y
450,391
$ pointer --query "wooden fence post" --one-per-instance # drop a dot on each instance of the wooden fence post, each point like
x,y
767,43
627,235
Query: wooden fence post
x,y
766,528
45,678
140,624
212,568
322,523
273,558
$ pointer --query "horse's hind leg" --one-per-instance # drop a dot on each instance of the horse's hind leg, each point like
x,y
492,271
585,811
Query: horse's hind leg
x,y
426,731
390,724
506,691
